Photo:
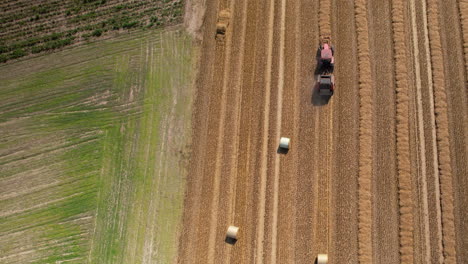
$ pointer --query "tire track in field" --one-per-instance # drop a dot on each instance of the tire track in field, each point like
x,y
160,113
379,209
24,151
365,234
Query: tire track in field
x,y
442,134
210,157
324,117
228,170
287,219
422,164
236,116
266,125
279,113
435,252
365,135
250,131
307,131
435,159
325,196
220,144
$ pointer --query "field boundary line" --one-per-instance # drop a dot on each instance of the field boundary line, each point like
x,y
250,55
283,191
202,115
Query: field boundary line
x,y
266,124
200,103
279,113
220,147
365,249
442,134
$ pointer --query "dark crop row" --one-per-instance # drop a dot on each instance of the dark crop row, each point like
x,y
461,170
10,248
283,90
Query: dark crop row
x,y
53,24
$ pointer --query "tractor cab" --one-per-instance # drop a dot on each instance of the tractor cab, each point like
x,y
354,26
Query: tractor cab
x,y
326,54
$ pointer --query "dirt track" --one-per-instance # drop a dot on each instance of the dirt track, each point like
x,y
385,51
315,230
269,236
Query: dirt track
x,y
375,175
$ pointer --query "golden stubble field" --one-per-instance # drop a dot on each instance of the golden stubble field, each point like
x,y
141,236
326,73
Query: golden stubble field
x,y
376,175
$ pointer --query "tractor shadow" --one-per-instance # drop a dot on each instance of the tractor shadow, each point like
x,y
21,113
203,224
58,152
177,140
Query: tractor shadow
x,y
318,65
230,240
317,99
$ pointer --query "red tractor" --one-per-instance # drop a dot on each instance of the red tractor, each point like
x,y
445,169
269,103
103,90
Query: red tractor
x,y
326,64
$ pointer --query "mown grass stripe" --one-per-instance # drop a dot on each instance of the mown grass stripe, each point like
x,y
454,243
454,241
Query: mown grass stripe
x,y
83,131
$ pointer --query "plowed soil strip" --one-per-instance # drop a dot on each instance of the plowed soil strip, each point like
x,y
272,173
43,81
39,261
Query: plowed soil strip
x,y
365,135
445,169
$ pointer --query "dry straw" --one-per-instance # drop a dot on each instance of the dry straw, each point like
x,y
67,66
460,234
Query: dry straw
x,y
365,135
324,17
403,155
463,5
442,134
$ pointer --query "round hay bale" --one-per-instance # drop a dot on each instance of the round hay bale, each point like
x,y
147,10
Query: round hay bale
x,y
222,23
284,143
224,14
232,232
221,28
322,259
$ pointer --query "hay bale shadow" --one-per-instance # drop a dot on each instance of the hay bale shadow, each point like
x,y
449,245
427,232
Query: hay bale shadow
x,y
281,150
230,240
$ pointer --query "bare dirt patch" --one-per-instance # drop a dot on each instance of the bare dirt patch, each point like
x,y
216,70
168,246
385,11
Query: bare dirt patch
x,y
193,19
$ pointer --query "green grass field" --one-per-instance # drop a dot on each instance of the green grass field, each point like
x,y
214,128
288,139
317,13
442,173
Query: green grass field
x,y
93,148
